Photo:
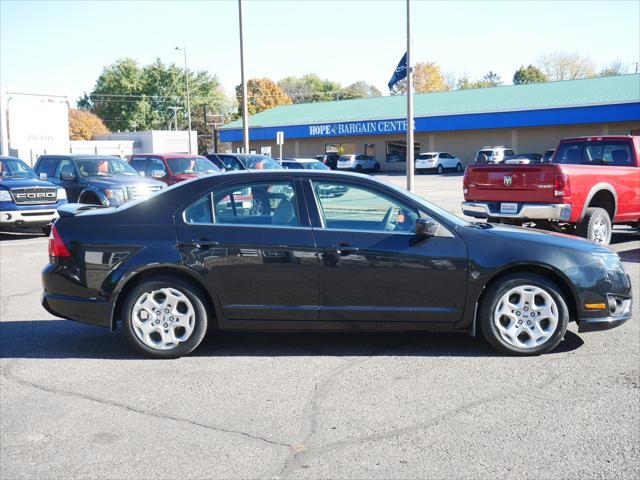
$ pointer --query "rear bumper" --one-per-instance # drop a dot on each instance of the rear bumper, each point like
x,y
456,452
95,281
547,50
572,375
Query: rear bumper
x,y
17,218
526,211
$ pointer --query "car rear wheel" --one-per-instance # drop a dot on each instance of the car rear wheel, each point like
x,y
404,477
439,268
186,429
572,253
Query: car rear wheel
x,y
524,314
165,317
596,226
440,169
358,168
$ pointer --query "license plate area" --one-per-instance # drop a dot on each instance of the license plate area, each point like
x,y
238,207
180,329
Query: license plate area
x,y
508,208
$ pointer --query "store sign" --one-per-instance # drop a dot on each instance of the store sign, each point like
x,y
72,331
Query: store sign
x,y
358,128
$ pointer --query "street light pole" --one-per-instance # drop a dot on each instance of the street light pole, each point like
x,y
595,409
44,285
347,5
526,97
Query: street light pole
x,y
186,76
245,112
409,104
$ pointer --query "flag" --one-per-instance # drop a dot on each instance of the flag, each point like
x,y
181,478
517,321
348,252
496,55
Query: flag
x,y
399,73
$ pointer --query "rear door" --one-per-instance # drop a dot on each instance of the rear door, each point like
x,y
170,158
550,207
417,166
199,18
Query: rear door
x,y
371,266
253,242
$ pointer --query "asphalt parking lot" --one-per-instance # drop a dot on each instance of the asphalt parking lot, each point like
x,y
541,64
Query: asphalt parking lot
x,y
77,402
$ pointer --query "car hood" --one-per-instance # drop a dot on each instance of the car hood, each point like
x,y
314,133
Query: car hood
x,y
24,182
116,181
520,235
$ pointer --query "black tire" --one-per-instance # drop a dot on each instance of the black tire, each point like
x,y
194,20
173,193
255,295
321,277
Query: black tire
x,y
595,219
493,296
376,167
459,167
358,168
440,170
194,296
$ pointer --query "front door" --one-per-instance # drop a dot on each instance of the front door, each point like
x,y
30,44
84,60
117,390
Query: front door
x,y
256,249
372,266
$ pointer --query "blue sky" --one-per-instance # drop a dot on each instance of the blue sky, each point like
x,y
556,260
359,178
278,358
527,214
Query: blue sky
x,y
60,47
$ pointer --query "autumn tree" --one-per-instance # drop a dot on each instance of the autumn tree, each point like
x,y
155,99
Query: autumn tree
x,y
83,125
427,77
529,74
562,65
262,94
617,67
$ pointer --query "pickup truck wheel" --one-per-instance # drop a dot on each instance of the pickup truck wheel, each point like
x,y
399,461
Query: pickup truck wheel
x,y
596,226
523,314
164,317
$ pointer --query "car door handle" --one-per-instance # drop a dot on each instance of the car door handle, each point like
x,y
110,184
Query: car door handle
x,y
202,243
345,249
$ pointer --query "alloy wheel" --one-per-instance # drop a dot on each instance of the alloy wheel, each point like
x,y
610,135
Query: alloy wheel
x,y
600,231
164,318
526,316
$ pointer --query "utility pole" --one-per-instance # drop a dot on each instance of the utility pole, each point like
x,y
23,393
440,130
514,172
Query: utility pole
x,y
245,112
409,104
175,116
186,76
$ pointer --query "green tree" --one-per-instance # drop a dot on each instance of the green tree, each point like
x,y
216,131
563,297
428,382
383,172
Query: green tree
x,y
617,67
310,88
529,74
489,79
262,94
359,89
427,77
128,96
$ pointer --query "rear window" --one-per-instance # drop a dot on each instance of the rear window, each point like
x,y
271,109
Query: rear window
x,y
426,156
486,153
617,153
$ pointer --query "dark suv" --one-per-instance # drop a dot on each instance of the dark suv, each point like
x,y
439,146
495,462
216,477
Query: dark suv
x,y
96,179
243,161
329,159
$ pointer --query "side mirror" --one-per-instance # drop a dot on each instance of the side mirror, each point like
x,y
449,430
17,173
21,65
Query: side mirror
x,y
425,228
157,174
67,176
43,176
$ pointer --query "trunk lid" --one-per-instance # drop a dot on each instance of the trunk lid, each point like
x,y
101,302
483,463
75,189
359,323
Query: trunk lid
x,y
508,182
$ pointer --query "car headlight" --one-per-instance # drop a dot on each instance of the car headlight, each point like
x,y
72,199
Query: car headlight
x,y
5,196
115,194
62,194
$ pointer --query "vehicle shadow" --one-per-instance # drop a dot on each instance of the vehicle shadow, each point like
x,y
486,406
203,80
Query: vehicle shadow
x,y
20,235
62,339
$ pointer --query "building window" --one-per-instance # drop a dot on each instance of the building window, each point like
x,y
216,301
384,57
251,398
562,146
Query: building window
x,y
397,151
370,150
340,148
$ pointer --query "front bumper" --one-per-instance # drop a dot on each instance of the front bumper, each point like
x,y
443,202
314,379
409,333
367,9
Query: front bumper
x,y
525,211
599,324
17,218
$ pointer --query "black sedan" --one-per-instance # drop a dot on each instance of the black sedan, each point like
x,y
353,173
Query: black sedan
x,y
198,255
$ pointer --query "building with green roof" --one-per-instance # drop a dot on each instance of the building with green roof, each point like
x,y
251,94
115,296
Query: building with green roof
x,y
528,118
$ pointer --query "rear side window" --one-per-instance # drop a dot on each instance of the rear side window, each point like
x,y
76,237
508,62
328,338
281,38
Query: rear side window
x,y
48,166
256,204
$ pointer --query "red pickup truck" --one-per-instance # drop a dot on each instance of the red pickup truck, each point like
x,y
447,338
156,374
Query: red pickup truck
x,y
590,184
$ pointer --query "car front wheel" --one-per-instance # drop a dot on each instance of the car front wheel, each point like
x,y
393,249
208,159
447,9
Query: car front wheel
x,y
165,317
524,314
440,169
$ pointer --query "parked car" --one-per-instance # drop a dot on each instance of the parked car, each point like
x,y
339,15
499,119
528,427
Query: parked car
x,y
494,154
329,159
546,158
591,184
168,268
438,161
96,179
303,163
172,168
525,158
25,200
243,161
358,163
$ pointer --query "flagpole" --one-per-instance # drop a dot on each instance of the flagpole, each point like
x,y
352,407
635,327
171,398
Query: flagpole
x,y
409,104
245,113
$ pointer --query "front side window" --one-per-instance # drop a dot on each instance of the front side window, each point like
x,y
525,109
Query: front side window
x,y
139,164
48,166
14,168
257,204
351,207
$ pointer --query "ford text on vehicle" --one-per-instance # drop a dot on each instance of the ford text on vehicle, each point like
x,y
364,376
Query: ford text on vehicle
x,y
590,184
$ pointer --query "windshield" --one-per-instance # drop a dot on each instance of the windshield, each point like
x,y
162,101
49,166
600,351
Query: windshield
x,y
316,166
180,165
104,166
261,162
14,168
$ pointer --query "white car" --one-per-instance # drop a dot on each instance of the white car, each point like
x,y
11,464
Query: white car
x,y
358,163
494,154
438,161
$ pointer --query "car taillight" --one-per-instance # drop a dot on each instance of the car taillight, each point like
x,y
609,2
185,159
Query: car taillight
x,y
57,248
465,182
562,187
